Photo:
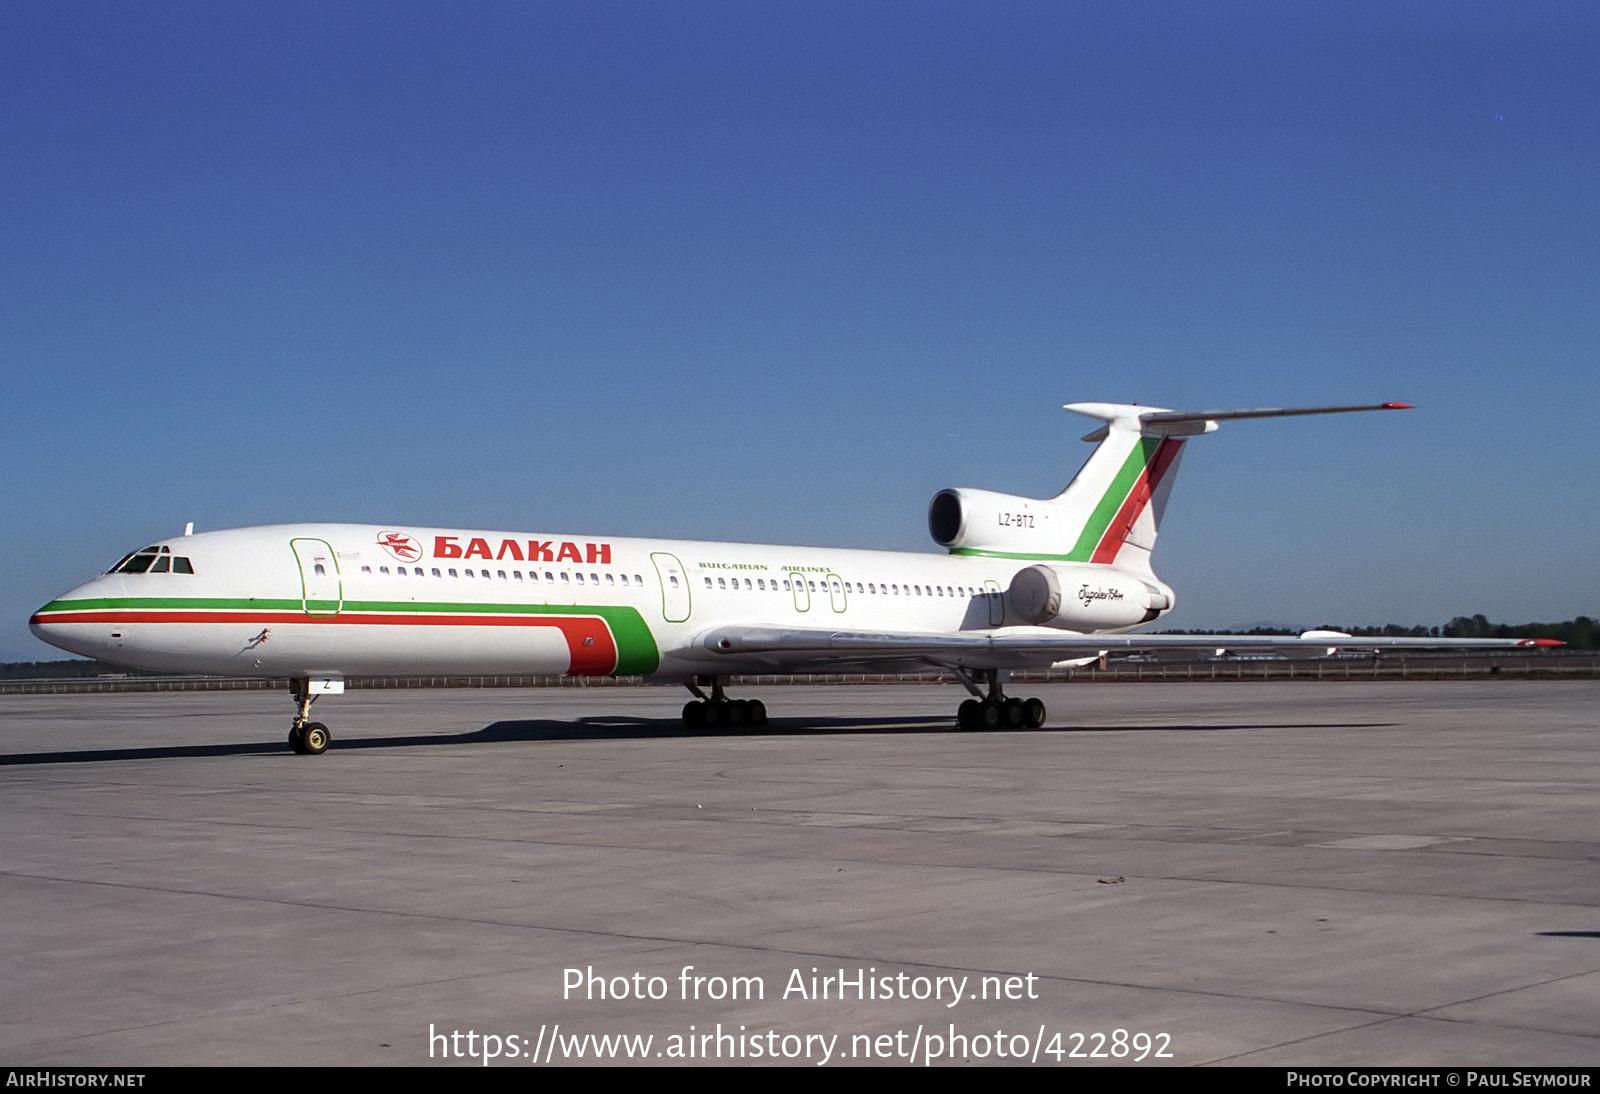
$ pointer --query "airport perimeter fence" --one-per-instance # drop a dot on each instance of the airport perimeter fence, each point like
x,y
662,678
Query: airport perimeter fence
x,y
1541,666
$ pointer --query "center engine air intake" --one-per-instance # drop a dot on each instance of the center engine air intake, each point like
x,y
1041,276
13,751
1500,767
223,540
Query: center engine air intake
x,y
982,520
944,518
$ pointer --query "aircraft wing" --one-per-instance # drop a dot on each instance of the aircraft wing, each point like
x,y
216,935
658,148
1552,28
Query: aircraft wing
x,y
778,649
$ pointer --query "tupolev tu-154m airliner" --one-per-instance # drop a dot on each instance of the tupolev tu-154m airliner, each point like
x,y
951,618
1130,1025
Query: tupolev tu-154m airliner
x,y
1026,583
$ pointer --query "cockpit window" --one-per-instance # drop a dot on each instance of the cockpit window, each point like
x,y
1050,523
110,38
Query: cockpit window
x,y
154,560
138,562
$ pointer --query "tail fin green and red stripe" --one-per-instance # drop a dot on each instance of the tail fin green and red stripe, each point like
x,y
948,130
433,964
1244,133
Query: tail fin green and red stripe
x,y
1148,465
1108,504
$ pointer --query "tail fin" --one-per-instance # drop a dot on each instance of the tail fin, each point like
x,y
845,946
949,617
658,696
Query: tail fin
x,y
1115,501
1111,510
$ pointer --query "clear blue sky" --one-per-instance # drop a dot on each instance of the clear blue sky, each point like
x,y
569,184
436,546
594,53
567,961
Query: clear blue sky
x,y
779,272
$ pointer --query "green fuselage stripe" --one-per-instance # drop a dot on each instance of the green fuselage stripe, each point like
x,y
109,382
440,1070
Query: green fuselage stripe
x,y
637,653
975,552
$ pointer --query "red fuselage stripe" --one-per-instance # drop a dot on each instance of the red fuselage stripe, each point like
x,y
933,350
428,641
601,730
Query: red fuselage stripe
x,y
592,649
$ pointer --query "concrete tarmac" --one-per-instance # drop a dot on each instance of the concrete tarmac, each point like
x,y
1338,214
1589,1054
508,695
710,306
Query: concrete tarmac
x,y
1261,873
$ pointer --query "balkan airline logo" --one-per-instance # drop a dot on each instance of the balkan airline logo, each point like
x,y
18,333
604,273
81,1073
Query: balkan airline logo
x,y
401,546
537,550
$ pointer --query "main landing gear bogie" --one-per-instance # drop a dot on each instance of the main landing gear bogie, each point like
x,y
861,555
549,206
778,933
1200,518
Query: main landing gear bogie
x,y
717,711
1001,714
994,710
724,714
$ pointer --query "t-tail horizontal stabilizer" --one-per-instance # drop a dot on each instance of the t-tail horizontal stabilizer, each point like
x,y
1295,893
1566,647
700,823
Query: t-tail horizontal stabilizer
x,y
1170,423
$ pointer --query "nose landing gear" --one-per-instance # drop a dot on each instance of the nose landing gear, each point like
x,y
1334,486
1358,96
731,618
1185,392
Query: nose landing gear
x,y
306,738
309,738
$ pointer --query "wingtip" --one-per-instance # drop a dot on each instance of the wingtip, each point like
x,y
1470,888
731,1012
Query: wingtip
x,y
1543,642
1398,406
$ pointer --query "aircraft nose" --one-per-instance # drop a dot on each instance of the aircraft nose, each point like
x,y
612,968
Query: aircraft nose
x,y
54,623
45,630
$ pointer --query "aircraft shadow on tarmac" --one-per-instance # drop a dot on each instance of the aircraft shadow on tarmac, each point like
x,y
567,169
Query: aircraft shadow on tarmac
x,y
612,728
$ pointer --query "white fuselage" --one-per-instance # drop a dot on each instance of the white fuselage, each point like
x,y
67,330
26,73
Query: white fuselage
x,y
341,600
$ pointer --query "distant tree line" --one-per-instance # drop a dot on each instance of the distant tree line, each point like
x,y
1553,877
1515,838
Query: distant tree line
x,y
1581,633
